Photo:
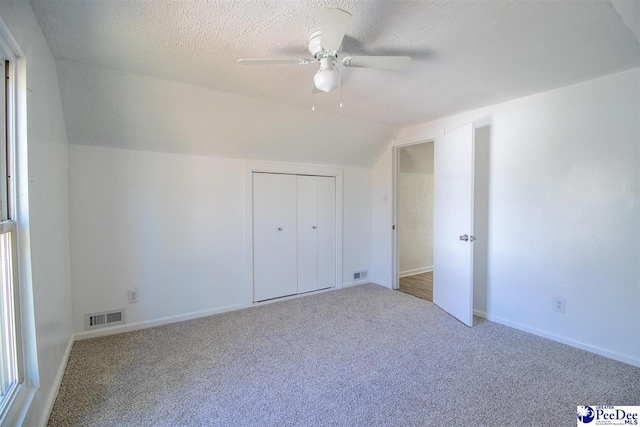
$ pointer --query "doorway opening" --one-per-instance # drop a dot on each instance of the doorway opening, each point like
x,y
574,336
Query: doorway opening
x,y
414,219
458,210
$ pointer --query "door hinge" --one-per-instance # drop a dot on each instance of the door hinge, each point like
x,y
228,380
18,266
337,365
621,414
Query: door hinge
x,y
393,227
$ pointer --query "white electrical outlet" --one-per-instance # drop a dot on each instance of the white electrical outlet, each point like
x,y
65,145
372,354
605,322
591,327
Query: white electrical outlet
x,y
133,296
558,304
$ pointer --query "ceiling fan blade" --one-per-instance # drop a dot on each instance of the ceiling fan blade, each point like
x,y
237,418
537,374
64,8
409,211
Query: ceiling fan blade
x,y
334,26
273,61
380,62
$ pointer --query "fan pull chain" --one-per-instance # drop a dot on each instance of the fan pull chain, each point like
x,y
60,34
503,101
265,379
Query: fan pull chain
x,y
338,70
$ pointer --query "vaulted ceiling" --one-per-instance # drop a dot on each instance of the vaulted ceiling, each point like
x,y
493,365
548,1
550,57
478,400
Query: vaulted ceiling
x,y
466,54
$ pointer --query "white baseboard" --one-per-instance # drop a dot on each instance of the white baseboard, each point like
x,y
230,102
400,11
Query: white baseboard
x,y
380,284
294,296
46,412
415,271
356,283
561,339
156,322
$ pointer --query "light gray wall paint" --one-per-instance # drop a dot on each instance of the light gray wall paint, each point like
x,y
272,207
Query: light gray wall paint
x,y
415,207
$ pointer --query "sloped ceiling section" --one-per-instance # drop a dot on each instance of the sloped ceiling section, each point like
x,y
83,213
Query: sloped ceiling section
x,y
110,108
629,11
162,75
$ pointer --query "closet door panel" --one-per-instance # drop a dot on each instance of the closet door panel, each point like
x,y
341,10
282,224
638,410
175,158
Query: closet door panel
x,y
275,236
307,234
326,232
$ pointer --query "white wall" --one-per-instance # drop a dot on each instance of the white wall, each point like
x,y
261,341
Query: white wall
x,y
168,225
356,222
481,216
415,207
563,212
48,204
171,225
381,221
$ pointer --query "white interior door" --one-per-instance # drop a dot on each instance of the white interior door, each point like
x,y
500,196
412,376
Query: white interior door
x,y
307,233
453,223
326,232
275,236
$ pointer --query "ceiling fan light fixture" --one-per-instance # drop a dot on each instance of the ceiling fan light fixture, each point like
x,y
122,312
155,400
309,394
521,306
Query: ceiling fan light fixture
x,y
327,80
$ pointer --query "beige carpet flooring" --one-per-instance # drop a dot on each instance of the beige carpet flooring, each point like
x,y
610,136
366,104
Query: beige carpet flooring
x,y
363,356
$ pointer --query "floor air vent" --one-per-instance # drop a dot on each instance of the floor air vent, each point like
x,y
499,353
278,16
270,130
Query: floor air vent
x,y
106,318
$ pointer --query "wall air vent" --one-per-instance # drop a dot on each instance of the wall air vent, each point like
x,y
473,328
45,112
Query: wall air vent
x,y
106,318
360,275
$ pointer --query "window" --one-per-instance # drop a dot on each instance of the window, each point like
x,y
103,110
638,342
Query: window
x,y
11,367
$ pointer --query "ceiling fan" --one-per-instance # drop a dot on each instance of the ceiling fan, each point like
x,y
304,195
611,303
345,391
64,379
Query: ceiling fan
x,y
324,45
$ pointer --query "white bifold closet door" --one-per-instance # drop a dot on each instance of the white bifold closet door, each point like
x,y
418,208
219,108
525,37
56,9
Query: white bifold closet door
x,y
275,257
294,232
316,233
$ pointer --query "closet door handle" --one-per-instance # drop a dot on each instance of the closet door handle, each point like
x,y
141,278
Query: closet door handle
x,y
314,227
279,228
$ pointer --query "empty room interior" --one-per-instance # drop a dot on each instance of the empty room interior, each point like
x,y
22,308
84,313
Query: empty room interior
x,y
303,212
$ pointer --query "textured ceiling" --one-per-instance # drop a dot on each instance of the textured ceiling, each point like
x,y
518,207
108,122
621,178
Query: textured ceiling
x,y
466,54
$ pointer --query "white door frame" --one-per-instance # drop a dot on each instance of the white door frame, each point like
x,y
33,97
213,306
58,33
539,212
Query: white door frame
x,y
293,169
395,169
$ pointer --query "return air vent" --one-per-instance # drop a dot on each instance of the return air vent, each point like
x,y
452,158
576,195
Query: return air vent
x,y
106,318
360,275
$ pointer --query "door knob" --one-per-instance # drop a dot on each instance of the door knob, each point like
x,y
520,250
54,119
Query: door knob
x,y
314,227
279,228
464,237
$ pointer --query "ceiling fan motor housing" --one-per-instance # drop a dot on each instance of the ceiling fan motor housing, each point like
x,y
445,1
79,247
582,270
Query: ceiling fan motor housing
x,y
326,64
315,44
